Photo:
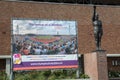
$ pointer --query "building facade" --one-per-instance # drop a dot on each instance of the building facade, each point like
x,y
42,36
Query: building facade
x,y
82,14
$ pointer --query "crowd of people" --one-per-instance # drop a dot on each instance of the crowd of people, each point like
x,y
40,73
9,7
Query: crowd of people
x,y
29,47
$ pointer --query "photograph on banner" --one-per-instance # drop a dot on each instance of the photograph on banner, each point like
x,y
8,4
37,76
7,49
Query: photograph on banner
x,y
44,43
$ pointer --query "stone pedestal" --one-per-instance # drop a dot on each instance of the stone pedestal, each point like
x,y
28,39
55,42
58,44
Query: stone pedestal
x,y
95,65
8,66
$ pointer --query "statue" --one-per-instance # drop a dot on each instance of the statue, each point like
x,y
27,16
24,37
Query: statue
x,y
98,31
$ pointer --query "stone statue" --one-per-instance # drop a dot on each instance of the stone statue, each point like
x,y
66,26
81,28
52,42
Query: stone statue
x,y
98,31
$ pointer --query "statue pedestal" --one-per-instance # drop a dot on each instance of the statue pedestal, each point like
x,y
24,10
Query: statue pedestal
x,y
95,65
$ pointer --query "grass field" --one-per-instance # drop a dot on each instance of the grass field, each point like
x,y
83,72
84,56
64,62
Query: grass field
x,y
44,37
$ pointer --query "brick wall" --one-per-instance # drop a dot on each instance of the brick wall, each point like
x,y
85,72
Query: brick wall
x,y
81,13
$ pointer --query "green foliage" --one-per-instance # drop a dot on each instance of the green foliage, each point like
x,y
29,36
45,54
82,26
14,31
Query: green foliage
x,y
113,74
22,76
84,76
43,75
3,75
52,77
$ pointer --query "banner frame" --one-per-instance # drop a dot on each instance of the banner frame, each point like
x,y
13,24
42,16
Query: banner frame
x,y
12,36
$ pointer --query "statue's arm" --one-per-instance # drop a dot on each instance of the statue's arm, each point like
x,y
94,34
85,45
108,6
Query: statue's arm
x,y
94,12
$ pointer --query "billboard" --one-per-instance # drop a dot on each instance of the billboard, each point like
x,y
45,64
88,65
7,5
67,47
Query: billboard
x,y
44,44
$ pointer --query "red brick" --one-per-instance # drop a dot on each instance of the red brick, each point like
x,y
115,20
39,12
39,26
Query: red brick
x,y
81,13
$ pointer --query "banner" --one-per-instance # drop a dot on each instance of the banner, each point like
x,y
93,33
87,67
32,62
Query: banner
x,y
44,44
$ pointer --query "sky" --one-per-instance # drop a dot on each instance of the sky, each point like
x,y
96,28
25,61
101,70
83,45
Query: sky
x,y
44,27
